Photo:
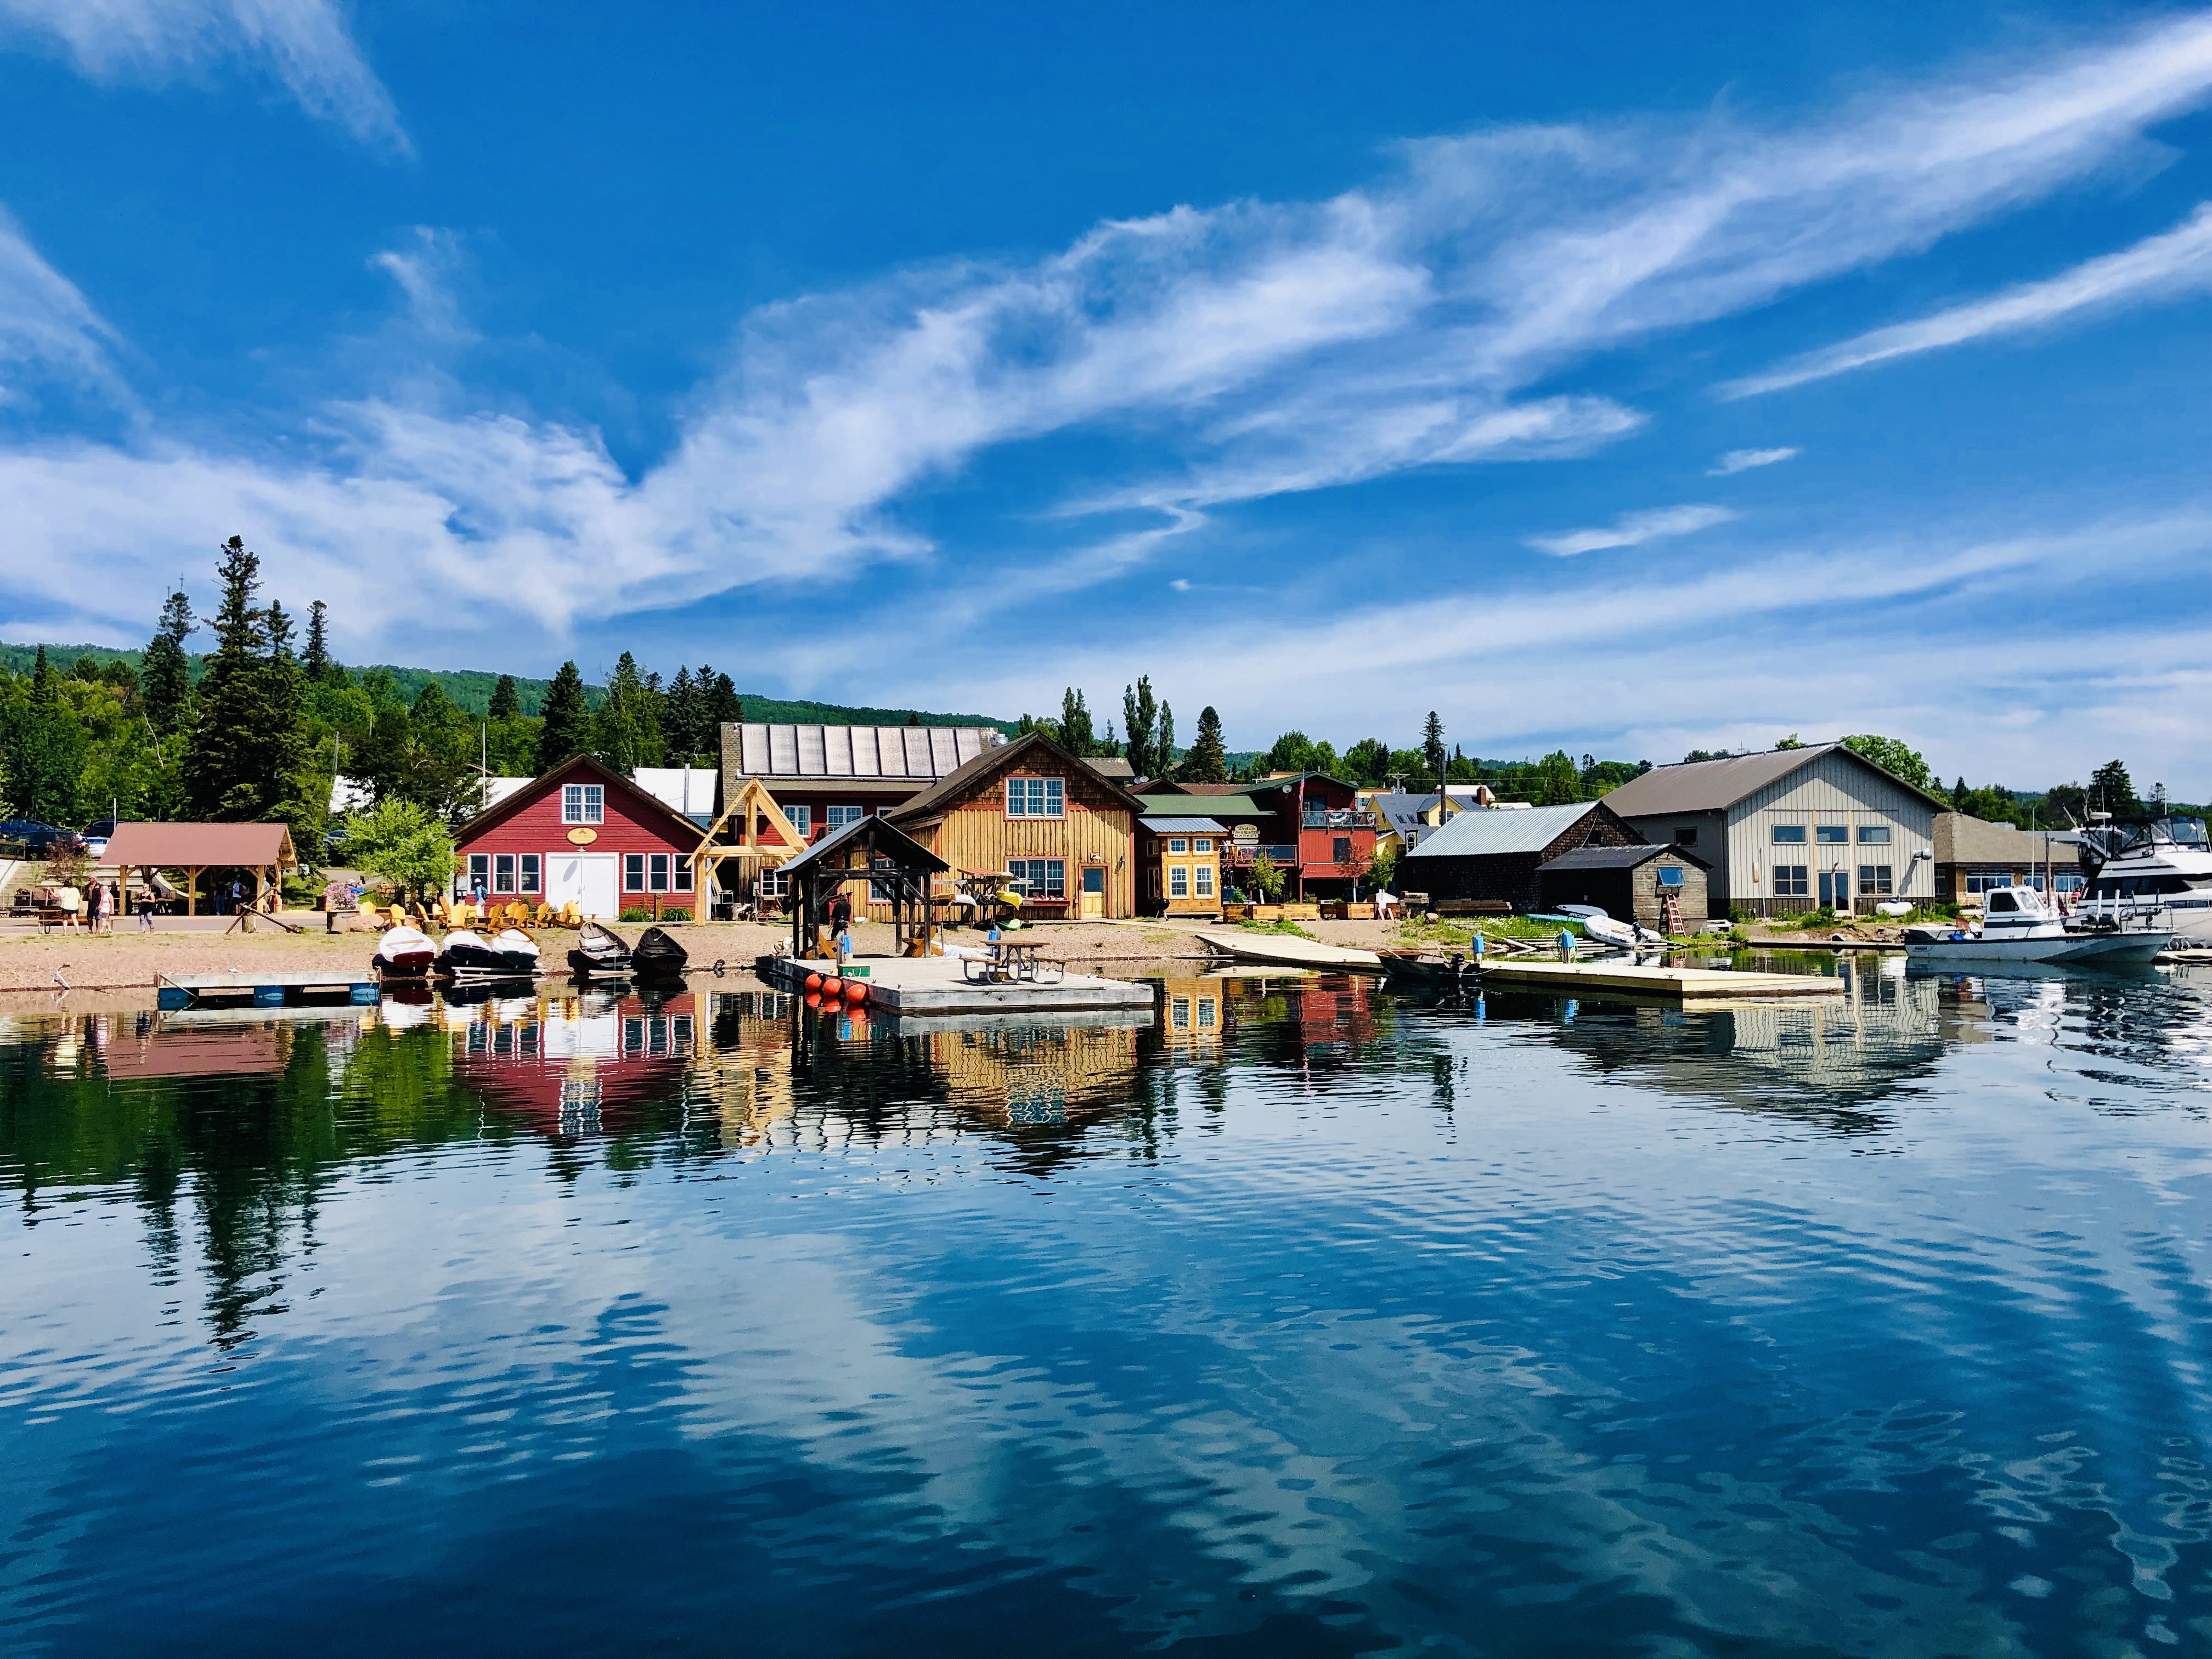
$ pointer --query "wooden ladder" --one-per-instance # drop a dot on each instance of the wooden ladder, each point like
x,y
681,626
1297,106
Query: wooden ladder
x,y
1670,912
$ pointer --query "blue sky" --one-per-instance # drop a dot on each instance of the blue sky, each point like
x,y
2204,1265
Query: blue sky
x,y
1622,378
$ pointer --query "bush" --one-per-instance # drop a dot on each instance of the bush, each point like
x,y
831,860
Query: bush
x,y
636,913
676,915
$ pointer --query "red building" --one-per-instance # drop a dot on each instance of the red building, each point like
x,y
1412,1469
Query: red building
x,y
584,833
1310,824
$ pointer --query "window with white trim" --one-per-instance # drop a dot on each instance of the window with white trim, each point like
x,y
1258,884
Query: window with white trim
x,y
1179,1013
583,803
1831,834
1788,835
1207,1006
1204,873
633,873
480,872
1876,880
682,873
533,880
838,816
1037,798
1874,834
1178,881
1178,845
656,879
802,818
503,872
1039,878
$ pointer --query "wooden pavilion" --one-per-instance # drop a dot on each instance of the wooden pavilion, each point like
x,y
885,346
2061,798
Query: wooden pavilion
x,y
897,869
764,837
261,850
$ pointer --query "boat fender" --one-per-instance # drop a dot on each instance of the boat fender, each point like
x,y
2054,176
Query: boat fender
x,y
814,981
832,990
856,991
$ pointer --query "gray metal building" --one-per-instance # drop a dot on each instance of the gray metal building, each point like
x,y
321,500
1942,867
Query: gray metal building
x,y
1792,829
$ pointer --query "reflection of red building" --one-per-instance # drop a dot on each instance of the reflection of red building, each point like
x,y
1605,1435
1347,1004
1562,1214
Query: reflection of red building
x,y
1336,1017
571,1065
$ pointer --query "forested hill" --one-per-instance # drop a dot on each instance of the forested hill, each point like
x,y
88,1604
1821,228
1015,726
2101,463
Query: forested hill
x,y
470,690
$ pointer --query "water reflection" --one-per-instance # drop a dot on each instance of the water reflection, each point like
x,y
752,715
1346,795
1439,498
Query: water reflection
x,y
1305,1319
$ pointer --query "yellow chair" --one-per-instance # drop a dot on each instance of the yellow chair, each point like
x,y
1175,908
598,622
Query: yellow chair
x,y
544,914
518,914
570,916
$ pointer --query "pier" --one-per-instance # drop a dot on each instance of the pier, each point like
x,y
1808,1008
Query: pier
x,y
263,989
936,986
1675,984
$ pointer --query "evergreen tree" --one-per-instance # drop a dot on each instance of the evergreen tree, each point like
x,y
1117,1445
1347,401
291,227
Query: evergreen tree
x,y
294,789
168,679
567,728
1140,720
86,669
315,661
1432,749
506,701
1207,762
46,684
629,734
229,775
680,723
719,707
384,762
2112,790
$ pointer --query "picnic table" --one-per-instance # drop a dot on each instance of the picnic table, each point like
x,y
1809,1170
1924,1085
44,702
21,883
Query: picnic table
x,y
1010,959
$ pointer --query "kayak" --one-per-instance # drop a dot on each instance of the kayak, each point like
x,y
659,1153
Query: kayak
x,y
467,955
404,952
599,950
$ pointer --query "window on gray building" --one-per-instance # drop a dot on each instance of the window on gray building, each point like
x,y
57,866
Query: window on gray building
x,y
1874,834
1789,881
1788,835
1831,834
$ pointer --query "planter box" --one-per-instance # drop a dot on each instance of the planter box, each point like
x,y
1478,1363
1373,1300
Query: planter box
x,y
1265,912
1359,913
1299,912
1236,912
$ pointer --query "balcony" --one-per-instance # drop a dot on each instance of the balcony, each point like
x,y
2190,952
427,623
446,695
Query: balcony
x,y
1285,856
1319,817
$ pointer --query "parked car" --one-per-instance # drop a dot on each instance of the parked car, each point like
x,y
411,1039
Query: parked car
x,y
38,837
96,836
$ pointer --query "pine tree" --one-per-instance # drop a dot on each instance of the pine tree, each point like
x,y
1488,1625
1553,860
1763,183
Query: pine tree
x,y
1207,762
1432,748
228,775
292,788
168,679
719,706
506,701
680,724
2112,790
86,669
567,728
46,684
315,661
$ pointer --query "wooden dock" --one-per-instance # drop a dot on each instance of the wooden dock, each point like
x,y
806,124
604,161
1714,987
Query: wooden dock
x,y
1673,984
268,990
936,986
1288,950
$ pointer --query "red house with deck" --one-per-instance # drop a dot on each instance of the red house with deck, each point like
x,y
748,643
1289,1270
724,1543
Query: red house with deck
x,y
1310,825
581,832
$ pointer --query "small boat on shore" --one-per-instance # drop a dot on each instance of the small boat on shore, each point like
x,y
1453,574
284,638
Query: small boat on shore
x,y
2017,925
404,953
600,953
658,956
512,955
1418,968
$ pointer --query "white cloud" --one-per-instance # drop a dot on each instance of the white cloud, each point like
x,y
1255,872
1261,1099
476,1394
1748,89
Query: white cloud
x,y
2179,261
1742,460
48,330
305,43
1633,530
1209,356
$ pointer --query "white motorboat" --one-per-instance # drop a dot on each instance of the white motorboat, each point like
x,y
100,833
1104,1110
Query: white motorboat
x,y
2157,870
2017,925
1627,935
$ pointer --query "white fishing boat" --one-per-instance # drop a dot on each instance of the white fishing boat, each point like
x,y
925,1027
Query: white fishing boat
x,y
2017,925
1608,929
2156,870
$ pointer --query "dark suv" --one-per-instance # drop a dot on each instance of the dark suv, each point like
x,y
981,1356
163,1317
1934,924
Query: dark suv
x,y
40,838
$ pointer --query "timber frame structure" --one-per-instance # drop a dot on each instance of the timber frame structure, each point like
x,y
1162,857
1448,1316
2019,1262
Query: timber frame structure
x,y
754,810
871,850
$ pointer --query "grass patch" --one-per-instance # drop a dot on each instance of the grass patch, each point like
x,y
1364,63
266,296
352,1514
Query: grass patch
x,y
1285,926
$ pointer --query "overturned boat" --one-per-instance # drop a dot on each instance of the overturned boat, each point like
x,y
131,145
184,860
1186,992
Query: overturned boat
x,y
600,953
658,956
404,952
512,955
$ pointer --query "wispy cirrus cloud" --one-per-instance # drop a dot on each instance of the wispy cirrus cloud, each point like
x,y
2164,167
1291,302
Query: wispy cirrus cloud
x,y
1206,356
1743,460
305,43
49,332
1633,530
2178,261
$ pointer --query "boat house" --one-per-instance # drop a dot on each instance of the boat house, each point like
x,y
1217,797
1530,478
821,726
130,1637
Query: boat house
x,y
580,834
1631,884
1973,855
1063,834
1491,859
1790,830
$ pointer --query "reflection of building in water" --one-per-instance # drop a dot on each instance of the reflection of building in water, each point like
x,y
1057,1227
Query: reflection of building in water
x,y
568,1064
1335,1014
1192,1012
1839,1054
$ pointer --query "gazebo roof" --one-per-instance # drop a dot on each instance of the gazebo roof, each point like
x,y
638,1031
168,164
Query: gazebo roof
x,y
199,846
883,839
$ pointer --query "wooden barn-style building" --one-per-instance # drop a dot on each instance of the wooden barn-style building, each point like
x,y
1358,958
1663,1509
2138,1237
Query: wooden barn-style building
x,y
581,833
1630,883
1062,832
1494,856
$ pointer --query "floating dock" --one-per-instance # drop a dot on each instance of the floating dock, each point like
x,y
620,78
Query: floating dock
x,y
267,990
935,985
1288,950
1677,984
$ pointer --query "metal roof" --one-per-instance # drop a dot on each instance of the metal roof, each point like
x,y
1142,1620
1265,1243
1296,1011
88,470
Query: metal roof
x,y
1480,831
1619,857
1221,806
1183,826
198,846
882,838
1714,786
966,775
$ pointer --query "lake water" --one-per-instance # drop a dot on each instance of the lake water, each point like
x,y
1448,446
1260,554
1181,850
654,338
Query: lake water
x,y
1319,1322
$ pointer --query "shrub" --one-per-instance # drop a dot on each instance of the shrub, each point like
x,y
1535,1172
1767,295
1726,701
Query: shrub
x,y
636,913
676,915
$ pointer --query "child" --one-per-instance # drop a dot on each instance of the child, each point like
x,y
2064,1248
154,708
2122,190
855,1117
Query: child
x,y
841,942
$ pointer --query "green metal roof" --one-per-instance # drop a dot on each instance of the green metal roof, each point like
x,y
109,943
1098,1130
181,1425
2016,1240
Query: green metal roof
x,y
1225,807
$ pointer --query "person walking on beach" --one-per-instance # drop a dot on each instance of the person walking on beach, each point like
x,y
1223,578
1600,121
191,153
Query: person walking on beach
x,y
69,901
96,906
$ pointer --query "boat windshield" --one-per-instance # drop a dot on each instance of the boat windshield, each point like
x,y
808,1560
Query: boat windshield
x,y
2189,832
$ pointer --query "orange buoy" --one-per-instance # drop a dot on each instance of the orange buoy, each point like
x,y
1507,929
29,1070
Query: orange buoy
x,y
814,981
832,989
856,990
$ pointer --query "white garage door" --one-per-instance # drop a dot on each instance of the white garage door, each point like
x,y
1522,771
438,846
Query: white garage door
x,y
587,878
